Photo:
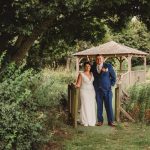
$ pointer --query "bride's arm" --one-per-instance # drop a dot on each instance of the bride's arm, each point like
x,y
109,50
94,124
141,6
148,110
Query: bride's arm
x,y
78,82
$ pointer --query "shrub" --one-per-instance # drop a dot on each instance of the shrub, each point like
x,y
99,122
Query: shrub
x,y
52,87
51,95
20,125
139,103
28,105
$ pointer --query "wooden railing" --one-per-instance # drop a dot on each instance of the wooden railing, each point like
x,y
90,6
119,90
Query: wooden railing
x,y
124,82
120,97
73,95
117,102
137,76
130,78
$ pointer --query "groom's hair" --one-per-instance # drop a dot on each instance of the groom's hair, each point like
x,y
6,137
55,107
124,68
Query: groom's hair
x,y
87,62
99,55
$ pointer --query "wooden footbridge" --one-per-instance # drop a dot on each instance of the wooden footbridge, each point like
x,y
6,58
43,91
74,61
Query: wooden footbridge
x,y
125,79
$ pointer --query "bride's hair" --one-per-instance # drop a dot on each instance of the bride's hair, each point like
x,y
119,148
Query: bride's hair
x,y
87,62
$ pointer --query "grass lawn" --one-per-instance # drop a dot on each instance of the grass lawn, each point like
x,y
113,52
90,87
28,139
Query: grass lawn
x,y
125,136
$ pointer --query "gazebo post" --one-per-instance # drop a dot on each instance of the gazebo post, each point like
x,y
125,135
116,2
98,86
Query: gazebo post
x,y
87,57
121,61
145,66
129,67
77,66
129,63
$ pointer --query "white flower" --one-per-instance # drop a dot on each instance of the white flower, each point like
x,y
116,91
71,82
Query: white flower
x,y
106,70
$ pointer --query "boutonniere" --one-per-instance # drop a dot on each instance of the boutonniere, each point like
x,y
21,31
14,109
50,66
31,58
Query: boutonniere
x,y
104,69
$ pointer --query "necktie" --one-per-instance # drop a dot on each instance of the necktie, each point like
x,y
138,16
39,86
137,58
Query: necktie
x,y
99,67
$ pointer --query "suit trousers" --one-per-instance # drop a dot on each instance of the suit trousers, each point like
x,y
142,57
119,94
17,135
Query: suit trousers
x,y
104,96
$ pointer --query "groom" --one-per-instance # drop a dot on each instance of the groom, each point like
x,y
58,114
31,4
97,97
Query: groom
x,y
104,78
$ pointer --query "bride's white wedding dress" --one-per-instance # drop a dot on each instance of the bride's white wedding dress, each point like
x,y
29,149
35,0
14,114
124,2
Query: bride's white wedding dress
x,y
88,101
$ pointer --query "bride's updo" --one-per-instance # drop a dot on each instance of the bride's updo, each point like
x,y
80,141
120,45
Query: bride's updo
x,y
87,66
86,63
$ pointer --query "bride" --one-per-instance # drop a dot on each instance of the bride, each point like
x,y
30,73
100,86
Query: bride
x,y
87,96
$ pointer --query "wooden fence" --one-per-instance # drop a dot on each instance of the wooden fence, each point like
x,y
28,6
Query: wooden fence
x,y
137,77
130,78
121,96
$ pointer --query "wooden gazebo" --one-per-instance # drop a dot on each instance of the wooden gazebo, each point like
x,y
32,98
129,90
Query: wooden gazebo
x,y
121,53
125,79
111,49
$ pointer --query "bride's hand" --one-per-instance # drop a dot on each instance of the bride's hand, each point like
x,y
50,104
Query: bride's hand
x,y
76,85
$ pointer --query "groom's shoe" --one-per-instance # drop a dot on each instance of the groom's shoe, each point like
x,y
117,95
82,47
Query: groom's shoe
x,y
99,124
111,124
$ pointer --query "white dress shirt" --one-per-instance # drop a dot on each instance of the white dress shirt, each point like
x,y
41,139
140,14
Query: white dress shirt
x,y
99,67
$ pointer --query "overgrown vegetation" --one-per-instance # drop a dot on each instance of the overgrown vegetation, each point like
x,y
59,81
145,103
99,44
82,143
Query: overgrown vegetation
x,y
139,103
52,87
20,125
29,106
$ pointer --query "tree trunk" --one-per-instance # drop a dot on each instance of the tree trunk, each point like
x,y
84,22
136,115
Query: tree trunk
x,y
19,41
68,63
24,43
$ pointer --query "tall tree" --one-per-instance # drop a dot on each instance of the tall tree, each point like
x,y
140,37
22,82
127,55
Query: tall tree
x,y
24,21
135,35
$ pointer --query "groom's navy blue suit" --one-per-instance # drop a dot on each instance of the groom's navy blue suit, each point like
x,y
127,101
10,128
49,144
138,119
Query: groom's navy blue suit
x,y
102,84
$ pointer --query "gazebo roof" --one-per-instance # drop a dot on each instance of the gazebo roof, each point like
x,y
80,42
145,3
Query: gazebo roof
x,y
111,49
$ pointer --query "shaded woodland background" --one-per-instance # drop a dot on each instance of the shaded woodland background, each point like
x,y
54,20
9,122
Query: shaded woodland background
x,y
49,32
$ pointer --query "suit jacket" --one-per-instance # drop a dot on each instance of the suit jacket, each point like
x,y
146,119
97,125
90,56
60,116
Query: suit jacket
x,y
103,80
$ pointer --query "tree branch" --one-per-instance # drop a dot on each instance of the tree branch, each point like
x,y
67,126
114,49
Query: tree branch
x,y
24,44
